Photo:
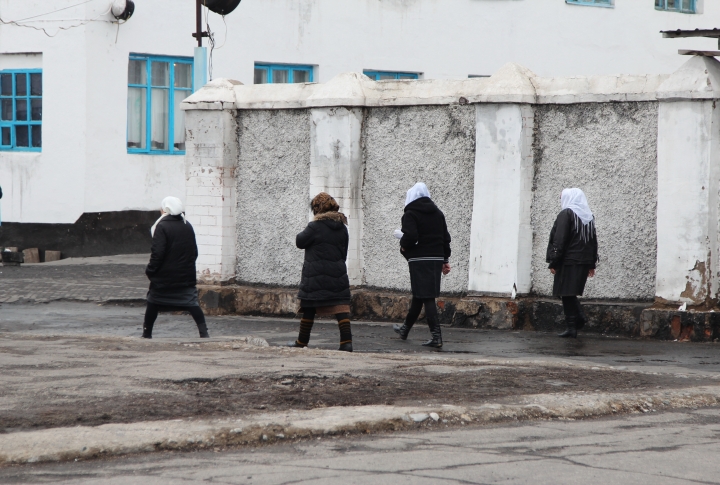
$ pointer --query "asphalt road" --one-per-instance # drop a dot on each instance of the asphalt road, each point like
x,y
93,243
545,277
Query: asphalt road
x,y
69,318
661,449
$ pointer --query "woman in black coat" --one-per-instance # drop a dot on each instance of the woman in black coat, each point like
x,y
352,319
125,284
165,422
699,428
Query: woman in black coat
x,y
171,270
425,243
325,286
572,253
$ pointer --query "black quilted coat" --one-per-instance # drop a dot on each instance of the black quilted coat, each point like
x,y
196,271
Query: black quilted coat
x,y
324,275
173,255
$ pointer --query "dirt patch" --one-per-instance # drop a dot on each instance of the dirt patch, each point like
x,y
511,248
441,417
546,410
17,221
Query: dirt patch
x,y
233,396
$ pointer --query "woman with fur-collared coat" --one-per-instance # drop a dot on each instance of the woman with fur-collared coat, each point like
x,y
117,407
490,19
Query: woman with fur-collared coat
x,y
325,286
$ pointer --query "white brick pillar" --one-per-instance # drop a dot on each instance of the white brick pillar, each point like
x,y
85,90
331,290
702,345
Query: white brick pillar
x,y
501,232
210,161
688,183
336,167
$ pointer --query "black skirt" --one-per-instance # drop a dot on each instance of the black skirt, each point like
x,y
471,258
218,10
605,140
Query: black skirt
x,y
174,297
570,279
425,278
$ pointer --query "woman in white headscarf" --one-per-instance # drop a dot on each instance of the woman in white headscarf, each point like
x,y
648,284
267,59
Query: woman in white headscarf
x,y
572,253
425,243
171,269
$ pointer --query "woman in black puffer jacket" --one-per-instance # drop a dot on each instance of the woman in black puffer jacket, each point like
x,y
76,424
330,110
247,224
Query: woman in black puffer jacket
x,y
171,269
325,286
425,243
572,253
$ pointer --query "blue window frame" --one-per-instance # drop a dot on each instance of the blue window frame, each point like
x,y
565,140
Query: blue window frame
x,y
21,110
282,73
592,3
156,87
682,6
383,75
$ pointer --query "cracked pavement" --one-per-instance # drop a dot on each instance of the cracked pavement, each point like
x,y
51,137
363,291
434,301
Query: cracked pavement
x,y
669,448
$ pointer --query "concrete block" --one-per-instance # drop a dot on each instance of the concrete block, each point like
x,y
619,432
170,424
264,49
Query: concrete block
x,y
52,256
31,255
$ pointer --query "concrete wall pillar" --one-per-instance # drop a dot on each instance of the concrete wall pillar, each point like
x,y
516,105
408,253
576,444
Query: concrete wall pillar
x,y
210,161
501,234
336,167
688,183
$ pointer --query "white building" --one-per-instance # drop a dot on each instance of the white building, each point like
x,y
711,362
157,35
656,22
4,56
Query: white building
x,y
81,132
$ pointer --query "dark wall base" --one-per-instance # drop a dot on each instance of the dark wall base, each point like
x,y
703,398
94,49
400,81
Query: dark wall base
x,y
94,234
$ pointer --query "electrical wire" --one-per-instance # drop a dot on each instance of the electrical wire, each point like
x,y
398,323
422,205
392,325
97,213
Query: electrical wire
x,y
44,30
55,11
211,41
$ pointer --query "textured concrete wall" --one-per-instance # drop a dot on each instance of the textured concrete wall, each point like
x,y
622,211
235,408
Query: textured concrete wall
x,y
402,146
610,151
273,176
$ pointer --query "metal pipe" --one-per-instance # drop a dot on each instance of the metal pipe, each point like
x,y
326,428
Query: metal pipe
x,y
198,22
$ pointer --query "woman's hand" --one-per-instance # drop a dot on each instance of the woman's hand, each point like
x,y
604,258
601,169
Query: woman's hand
x,y
591,273
446,268
552,270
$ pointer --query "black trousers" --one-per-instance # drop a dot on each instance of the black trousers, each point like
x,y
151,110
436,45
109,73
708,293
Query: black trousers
x,y
416,306
152,310
571,306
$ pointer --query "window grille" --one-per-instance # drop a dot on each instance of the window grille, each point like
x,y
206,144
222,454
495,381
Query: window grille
x,y
592,3
682,6
383,75
282,73
156,87
21,110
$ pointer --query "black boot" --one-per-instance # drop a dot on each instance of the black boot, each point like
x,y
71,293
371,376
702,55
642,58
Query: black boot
x,y
295,343
147,330
203,330
581,318
403,330
346,347
436,341
571,331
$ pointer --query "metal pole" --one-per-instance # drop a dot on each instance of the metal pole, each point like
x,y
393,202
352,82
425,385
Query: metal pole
x,y
198,22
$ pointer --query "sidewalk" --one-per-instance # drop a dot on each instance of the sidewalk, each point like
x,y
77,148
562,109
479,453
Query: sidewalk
x,y
111,279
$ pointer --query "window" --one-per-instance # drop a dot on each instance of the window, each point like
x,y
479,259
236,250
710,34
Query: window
x,y
683,6
383,75
21,110
156,87
592,3
282,74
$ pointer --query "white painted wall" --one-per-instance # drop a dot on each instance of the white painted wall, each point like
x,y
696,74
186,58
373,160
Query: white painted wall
x,y
336,167
501,237
84,165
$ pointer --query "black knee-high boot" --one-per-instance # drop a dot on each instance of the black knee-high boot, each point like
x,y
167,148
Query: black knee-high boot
x,y
410,319
570,308
581,318
199,318
434,324
306,325
151,313
345,332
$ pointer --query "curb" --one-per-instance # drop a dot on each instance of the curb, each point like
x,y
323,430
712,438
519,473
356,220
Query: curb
x,y
64,444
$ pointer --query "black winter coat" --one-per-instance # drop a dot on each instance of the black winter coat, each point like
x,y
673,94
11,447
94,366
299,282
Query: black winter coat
x,y
425,231
173,255
566,245
324,274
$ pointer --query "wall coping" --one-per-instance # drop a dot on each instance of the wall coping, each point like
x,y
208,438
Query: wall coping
x,y
699,78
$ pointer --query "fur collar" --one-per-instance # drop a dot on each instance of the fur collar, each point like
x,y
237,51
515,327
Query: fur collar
x,y
332,216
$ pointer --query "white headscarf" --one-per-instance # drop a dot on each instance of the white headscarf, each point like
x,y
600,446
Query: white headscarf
x,y
416,192
171,206
575,200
